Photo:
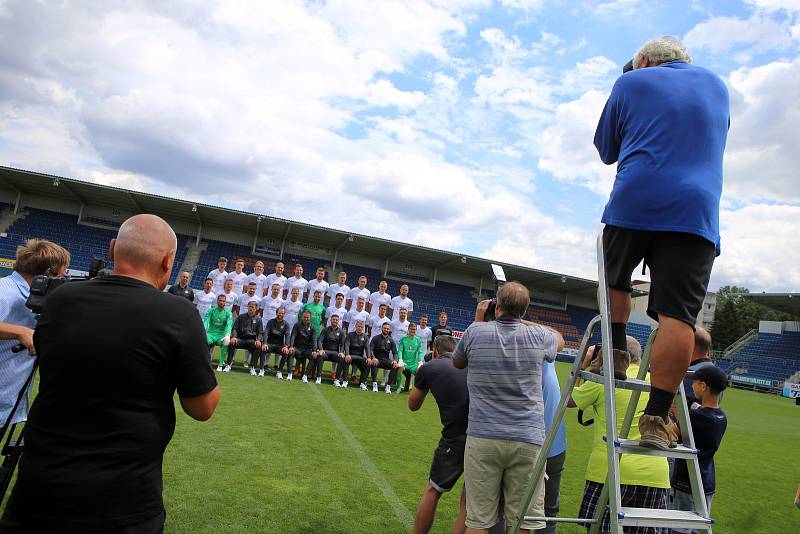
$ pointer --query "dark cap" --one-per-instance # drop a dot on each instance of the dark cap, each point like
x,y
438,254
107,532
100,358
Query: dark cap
x,y
711,375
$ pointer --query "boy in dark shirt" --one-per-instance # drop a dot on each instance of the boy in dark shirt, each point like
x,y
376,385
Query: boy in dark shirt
x,y
708,426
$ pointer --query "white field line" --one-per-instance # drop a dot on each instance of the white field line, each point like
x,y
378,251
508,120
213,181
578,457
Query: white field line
x,y
402,513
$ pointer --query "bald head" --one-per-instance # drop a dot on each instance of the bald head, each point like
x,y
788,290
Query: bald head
x,y
702,343
145,248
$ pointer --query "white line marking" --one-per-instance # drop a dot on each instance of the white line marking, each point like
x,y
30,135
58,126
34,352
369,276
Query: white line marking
x,y
402,513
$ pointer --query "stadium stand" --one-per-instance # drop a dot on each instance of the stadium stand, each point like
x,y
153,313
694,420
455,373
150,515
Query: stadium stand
x,y
770,357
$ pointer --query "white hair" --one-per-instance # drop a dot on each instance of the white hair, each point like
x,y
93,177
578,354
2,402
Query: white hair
x,y
634,349
661,50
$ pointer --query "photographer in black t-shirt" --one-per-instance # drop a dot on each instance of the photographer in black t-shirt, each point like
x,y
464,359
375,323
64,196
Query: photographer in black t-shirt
x,y
97,431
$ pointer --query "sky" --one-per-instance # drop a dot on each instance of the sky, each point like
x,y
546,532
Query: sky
x,y
464,125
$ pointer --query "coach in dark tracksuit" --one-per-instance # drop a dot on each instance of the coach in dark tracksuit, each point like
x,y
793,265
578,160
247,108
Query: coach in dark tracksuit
x,y
247,333
276,339
330,346
356,351
301,344
384,356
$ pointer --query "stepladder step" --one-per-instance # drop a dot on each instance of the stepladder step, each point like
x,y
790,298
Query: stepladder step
x,y
633,384
640,517
630,446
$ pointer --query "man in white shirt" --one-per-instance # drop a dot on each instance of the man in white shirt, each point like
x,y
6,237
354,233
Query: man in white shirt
x,y
359,291
295,281
424,333
238,277
258,277
401,302
377,298
230,295
400,326
339,287
206,298
219,275
271,303
317,284
376,323
358,314
337,308
293,307
244,300
277,276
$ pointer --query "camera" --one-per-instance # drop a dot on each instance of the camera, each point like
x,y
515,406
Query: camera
x,y
499,279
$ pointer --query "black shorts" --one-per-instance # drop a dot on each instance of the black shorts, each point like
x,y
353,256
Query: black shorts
x,y
680,267
631,496
302,353
448,463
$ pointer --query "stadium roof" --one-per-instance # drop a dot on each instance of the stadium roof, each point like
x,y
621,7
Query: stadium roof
x,y
785,302
25,182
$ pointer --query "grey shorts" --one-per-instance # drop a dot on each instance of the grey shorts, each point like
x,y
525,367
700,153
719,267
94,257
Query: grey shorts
x,y
681,500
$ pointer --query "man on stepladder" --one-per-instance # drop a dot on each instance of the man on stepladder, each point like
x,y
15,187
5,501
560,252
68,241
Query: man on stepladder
x,y
665,125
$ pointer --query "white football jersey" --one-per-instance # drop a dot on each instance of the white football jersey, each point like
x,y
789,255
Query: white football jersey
x,y
270,306
354,316
219,278
424,335
299,283
313,286
230,299
271,279
377,324
341,312
259,279
353,295
399,329
238,281
335,289
204,301
244,300
292,309
399,302
376,299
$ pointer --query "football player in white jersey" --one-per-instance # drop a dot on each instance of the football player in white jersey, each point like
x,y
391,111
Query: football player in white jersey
x,y
358,314
316,284
377,298
339,287
277,276
219,275
258,277
293,307
295,281
401,302
206,298
424,333
358,291
400,326
271,303
230,295
238,277
337,308
247,297
376,323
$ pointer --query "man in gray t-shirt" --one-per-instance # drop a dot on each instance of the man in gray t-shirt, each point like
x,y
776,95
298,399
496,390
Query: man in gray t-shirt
x,y
506,413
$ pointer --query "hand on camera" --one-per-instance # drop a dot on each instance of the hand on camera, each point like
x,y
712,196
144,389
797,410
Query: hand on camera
x,y
25,338
480,310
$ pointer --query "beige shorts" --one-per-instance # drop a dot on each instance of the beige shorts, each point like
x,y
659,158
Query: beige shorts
x,y
492,466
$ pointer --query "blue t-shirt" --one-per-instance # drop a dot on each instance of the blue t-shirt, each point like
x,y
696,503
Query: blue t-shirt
x,y
666,128
551,391
708,427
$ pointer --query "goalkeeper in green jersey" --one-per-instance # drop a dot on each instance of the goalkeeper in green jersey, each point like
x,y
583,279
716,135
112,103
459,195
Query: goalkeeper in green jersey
x,y
317,311
410,352
218,322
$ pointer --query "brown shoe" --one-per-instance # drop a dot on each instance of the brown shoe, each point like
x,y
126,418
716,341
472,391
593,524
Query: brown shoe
x,y
656,434
622,359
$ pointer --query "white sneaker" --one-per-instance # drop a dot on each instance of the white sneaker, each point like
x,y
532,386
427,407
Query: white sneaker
x,y
399,390
253,371
279,375
388,389
374,387
261,373
289,377
344,384
305,379
219,368
364,387
319,380
337,383
246,366
227,369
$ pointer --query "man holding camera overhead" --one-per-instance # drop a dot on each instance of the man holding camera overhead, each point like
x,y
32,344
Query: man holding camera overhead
x,y
95,440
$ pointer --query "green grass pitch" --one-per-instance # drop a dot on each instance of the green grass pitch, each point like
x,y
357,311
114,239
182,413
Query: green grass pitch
x,y
293,457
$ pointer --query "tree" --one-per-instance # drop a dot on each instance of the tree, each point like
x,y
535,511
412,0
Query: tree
x,y
736,315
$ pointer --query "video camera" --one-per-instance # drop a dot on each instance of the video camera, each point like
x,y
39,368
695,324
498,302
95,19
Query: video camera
x,y
499,279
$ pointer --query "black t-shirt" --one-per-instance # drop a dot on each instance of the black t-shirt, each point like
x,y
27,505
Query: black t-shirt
x,y
441,331
356,344
277,332
185,292
708,427
112,351
331,339
247,327
449,387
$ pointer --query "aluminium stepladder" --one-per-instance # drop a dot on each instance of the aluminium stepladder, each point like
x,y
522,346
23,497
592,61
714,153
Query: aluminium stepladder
x,y
616,443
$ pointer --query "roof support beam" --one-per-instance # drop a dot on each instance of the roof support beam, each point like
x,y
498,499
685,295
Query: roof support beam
x,y
285,235
391,257
196,212
16,202
346,240
135,202
68,189
255,237
80,214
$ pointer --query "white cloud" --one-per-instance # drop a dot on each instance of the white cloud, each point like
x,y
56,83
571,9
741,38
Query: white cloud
x,y
775,5
758,34
524,5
